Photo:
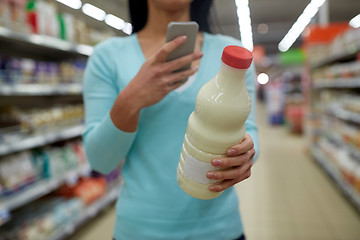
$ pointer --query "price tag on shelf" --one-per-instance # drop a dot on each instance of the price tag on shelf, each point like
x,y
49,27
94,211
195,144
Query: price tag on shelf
x,y
85,171
92,210
4,215
72,178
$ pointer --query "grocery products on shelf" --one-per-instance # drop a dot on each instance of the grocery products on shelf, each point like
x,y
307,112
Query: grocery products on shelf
x,y
46,191
59,213
87,190
347,163
338,74
40,219
20,170
42,17
14,71
334,113
275,99
16,172
16,123
344,45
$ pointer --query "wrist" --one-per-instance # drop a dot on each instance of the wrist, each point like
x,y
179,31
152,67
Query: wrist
x,y
126,111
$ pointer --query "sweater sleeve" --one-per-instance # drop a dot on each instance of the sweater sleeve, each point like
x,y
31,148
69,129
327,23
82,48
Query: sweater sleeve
x,y
251,127
105,145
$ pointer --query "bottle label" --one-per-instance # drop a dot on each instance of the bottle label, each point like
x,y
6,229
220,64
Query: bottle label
x,y
196,170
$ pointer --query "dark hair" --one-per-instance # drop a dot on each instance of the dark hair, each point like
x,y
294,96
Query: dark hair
x,y
138,10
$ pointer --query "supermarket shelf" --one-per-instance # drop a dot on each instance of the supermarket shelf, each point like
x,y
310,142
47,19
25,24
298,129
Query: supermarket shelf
x,y
338,83
348,53
343,114
334,173
40,90
40,189
46,41
348,147
41,140
88,213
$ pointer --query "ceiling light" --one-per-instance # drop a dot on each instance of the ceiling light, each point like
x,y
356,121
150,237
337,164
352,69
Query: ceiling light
x,y
263,28
75,4
263,78
298,27
114,22
243,13
355,22
94,12
127,29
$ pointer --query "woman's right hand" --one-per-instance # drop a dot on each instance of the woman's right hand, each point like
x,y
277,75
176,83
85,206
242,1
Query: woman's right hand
x,y
156,79
151,84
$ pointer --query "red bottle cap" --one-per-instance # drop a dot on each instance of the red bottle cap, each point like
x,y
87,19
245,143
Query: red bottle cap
x,y
237,57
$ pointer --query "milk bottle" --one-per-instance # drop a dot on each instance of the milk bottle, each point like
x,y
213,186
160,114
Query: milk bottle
x,y
217,123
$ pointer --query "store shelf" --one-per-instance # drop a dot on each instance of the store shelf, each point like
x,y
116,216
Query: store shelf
x,y
339,141
343,114
40,189
45,41
345,54
338,83
40,140
335,174
40,90
88,213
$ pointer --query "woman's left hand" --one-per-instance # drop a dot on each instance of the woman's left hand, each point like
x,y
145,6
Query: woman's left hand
x,y
239,163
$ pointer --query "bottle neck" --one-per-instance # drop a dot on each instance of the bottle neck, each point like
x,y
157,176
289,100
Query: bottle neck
x,y
230,78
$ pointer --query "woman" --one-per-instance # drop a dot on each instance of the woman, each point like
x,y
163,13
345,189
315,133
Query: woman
x,y
137,110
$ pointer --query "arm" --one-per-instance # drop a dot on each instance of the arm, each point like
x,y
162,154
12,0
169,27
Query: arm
x,y
105,144
112,118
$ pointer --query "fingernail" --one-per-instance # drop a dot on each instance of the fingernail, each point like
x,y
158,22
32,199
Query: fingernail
x,y
232,151
183,38
216,162
211,175
198,54
195,68
213,188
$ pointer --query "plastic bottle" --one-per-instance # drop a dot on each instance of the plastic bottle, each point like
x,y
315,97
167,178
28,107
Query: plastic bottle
x,y
217,123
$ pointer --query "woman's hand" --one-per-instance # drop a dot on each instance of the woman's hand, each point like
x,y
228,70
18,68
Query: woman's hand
x,y
156,79
151,84
239,163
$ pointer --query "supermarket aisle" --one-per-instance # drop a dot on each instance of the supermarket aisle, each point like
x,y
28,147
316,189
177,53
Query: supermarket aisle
x,y
288,197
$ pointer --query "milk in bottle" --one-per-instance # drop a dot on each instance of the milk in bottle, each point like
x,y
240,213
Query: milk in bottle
x,y
217,123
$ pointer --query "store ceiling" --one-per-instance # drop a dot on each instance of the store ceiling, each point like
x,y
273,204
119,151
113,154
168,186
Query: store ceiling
x,y
279,15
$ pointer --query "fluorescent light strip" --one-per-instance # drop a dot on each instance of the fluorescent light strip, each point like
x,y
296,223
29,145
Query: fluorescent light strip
x,y
127,29
93,12
75,4
298,27
114,22
243,12
355,22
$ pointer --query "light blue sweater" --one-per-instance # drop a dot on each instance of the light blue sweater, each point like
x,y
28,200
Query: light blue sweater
x,y
151,205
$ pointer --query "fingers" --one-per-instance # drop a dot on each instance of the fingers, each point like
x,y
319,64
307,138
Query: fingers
x,y
228,183
182,61
233,161
168,47
242,147
177,79
230,173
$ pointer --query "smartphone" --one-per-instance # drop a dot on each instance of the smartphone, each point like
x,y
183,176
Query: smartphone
x,y
175,29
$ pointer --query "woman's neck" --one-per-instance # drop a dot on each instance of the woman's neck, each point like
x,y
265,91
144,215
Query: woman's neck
x,y
158,20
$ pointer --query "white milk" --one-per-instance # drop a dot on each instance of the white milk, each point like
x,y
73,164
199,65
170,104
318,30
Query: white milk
x,y
217,123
